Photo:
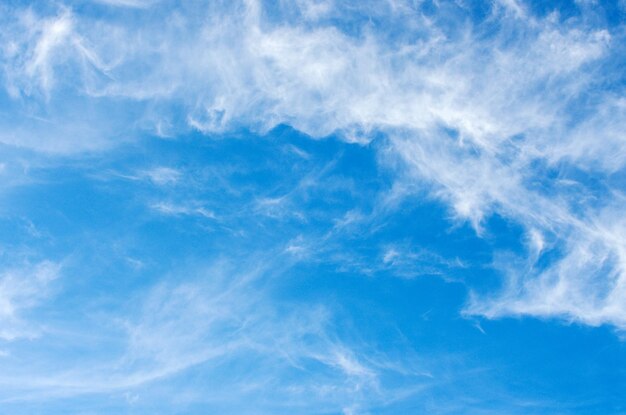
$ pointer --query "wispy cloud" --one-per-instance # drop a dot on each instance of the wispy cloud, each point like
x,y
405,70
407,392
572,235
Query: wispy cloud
x,y
21,289
162,175
222,317
191,209
500,113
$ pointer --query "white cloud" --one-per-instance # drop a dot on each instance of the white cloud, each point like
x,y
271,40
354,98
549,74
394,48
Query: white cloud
x,y
33,55
140,4
162,176
188,209
587,284
249,344
476,116
21,289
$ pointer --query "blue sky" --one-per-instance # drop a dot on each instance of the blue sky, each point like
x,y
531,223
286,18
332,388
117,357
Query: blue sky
x,y
312,206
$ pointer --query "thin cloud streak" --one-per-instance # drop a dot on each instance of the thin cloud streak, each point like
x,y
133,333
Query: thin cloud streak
x,y
225,317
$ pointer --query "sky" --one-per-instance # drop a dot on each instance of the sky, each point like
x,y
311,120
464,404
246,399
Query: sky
x,y
313,207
